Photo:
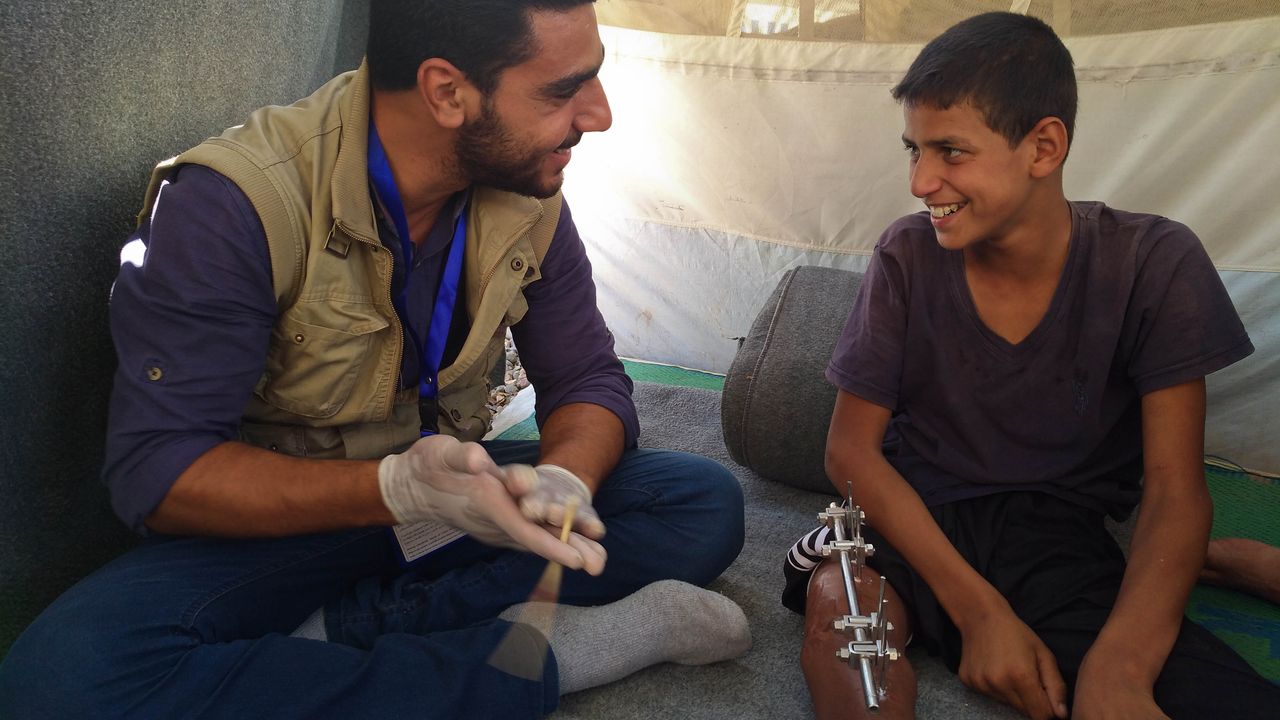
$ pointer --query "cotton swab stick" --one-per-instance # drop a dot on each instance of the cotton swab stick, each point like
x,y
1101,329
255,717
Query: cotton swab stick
x,y
517,654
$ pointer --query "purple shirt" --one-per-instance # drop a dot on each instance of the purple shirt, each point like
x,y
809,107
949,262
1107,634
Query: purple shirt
x,y
1139,307
192,319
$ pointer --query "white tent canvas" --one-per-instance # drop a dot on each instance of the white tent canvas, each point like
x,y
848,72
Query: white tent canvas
x,y
733,159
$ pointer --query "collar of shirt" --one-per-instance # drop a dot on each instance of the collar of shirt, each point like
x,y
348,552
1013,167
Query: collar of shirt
x,y
438,236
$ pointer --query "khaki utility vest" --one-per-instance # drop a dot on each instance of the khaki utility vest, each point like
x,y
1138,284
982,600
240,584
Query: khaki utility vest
x,y
331,384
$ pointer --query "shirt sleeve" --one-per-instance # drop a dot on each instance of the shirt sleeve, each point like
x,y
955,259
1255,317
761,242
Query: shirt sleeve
x,y
868,358
191,314
564,344
1182,321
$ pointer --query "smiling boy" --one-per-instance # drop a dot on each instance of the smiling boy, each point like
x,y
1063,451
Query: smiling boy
x,y
1017,367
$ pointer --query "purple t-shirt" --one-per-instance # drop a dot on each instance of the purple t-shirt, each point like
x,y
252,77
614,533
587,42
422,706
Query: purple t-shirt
x,y
194,303
1139,307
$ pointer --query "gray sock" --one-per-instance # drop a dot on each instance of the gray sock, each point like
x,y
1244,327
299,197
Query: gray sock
x,y
667,621
313,627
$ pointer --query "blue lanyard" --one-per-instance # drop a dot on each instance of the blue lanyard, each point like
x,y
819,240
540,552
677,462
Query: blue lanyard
x,y
431,352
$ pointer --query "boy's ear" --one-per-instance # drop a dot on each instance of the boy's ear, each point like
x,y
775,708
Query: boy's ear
x,y
1050,142
444,91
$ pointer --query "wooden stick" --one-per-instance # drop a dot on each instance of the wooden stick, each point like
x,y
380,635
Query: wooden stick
x,y
570,509
521,658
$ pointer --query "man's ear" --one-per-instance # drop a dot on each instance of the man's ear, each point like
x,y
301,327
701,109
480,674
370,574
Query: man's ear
x,y
1050,143
444,89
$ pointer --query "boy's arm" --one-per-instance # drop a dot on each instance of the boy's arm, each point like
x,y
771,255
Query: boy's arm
x,y
1168,549
1001,656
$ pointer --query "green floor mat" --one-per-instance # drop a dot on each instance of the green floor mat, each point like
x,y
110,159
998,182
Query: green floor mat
x,y
671,375
1244,505
526,429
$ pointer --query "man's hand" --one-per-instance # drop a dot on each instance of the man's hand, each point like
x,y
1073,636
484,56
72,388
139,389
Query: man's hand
x,y
1004,658
553,486
1105,689
458,484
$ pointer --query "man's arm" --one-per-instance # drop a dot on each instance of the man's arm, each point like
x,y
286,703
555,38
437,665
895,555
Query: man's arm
x,y
1001,656
191,318
192,311
564,343
584,439
237,490
437,479
1166,554
584,404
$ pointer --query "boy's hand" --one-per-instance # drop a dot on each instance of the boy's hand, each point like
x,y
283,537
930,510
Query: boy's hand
x,y
1003,658
1105,690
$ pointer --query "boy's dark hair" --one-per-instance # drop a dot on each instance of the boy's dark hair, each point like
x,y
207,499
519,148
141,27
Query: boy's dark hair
x,y
480,37
1011,67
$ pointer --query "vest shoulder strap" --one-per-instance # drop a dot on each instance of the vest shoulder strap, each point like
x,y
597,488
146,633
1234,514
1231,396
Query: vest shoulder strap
x,y
285,243
545,229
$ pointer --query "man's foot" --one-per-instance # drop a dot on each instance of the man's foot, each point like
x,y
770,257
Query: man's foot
x,y
667,621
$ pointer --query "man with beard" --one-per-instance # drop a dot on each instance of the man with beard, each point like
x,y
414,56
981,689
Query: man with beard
x,y
305,320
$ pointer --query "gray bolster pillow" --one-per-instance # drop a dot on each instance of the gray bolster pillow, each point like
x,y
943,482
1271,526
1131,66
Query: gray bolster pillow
x,y
777,402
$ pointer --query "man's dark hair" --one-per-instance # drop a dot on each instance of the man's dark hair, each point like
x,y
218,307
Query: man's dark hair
x,y
1011,67
480,37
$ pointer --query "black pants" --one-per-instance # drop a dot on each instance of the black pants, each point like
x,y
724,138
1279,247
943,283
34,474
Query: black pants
x,y
1060,569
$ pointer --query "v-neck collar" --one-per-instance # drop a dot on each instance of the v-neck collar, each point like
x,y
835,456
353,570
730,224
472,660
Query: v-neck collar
x,y
996,342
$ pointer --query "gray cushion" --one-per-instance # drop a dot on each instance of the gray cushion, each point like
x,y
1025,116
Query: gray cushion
x,y
777,403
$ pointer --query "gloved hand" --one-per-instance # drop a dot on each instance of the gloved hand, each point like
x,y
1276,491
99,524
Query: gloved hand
x,y
458,484
551,488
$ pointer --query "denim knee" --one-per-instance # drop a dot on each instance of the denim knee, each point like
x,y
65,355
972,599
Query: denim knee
x,y
726,491
56,668
715,495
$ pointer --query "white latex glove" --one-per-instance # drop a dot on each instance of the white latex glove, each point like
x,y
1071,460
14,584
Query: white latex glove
x,y
458,484
551,488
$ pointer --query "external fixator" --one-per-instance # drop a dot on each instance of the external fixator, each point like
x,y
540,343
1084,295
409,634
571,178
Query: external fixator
x,y
869,651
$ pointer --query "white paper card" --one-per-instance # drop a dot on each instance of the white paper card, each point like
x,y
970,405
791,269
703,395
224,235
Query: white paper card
x,y
422,538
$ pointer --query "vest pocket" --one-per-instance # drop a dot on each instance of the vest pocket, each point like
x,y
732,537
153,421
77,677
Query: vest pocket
x,y
463,413
311,369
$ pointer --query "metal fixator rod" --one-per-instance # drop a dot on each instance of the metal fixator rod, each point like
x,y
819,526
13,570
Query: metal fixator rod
x,y
869,649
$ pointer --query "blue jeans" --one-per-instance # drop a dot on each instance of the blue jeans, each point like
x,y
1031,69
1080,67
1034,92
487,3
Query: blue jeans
x,y
198,627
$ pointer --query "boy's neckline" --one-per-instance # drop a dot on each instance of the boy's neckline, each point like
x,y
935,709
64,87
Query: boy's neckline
x,y
1007,323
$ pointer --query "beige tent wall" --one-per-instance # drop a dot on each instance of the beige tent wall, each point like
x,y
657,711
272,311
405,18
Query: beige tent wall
x,y
732,159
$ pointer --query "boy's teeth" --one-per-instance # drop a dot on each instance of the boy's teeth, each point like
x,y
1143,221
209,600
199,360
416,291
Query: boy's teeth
x,y
943,210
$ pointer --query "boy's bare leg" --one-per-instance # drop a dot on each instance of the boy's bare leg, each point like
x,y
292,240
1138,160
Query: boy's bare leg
x,y
1245,565
834,684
